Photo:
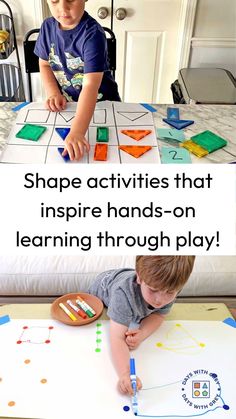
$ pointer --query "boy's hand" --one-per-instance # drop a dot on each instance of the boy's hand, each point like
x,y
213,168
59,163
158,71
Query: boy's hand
x,y
134,338
56,103
124,384
75,145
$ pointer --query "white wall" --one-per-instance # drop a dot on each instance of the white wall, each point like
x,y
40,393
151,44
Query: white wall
x,y
27,15
215,19
214,36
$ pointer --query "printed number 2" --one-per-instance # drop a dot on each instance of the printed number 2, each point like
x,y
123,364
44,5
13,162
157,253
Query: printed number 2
x,y
174,155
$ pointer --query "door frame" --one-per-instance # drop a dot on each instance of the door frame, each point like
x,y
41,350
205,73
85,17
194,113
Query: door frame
x,y
187,20
41,12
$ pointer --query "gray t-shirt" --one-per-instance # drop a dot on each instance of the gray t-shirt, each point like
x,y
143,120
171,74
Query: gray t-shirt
x,y
120,292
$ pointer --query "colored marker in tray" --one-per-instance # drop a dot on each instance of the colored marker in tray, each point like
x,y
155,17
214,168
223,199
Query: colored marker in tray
x,y
77,309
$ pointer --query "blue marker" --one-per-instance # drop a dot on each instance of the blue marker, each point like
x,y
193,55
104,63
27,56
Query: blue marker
x,y
134,399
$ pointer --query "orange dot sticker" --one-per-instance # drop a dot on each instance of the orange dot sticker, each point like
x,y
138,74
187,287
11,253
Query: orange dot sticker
x,y
11,403
27,361
43,381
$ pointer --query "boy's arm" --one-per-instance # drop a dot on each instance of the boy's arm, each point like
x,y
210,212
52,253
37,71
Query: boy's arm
x,y
121,357
147,326
55,100
150,324
75,141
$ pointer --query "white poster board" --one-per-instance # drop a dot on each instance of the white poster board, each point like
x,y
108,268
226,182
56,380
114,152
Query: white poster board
x,y
116,116
49,370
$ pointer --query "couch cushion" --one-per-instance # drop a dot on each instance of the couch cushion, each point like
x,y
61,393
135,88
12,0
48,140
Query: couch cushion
x,y
56,275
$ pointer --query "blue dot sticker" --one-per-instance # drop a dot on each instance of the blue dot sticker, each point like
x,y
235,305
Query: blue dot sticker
x,y
126,408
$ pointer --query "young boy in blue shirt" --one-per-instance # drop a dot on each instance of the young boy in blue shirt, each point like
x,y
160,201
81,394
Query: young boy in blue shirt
x,y
72,51
137,302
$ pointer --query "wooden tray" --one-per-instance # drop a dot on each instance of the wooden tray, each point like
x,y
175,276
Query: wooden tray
x,y
58,314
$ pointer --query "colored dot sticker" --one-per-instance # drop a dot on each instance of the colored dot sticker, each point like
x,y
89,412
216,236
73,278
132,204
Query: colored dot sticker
x,y
226,407
202,345
11,404
178,325
47,341
27,361
159,344
43,381
19,342
98,339
126,408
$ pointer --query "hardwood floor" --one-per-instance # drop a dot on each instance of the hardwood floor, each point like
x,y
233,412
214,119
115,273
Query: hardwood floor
x,y
233,312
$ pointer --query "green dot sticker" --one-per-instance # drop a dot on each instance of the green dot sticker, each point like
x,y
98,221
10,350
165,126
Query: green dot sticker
x,y
98,339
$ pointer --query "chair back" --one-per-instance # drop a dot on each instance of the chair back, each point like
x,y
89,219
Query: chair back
x,y
6,37
11,88
32,61
111,50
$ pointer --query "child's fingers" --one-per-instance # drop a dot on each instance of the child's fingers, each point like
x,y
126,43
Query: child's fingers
x,y
56,103
139,384
59,103
65,152
52,105
78,150
129,389
129,340
121,388
131,332
63,102
70,151
125,388
87,146
49,106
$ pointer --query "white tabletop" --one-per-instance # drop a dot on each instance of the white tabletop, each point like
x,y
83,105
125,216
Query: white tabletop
x,y
220,119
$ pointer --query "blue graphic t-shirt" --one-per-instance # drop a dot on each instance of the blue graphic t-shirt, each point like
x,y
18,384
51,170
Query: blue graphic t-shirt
x,y
75,52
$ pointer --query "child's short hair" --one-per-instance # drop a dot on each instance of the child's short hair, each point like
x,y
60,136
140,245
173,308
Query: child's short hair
x,y
164,272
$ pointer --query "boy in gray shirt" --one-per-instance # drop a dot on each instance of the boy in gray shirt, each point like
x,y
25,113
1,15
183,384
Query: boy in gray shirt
x,y
137,302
